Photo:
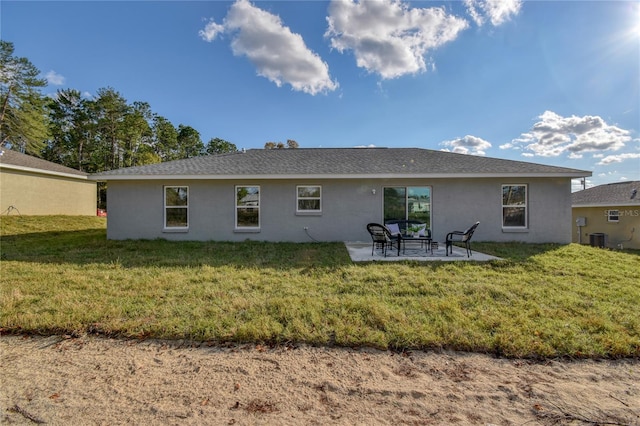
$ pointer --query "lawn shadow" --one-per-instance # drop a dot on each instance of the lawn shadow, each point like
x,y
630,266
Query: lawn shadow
x,y
91,246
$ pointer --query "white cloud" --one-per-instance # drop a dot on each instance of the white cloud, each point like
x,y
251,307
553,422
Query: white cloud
x,y
210,31
278,54
388,37
611,159
54,78
509,145
496,11
467,145
554,135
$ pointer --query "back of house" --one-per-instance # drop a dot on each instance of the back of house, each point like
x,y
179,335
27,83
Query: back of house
x,y
330,194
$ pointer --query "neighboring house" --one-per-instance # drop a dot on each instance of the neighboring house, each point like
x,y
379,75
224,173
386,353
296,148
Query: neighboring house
x,y
330,194
608,215
32,186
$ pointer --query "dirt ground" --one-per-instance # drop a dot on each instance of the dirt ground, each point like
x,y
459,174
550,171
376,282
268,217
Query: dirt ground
x,y
92,380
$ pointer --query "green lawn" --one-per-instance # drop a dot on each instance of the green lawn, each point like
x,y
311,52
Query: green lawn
x,y
61,275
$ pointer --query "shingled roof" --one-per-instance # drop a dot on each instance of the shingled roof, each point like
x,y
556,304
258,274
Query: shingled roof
x,y
611,194
16,160
337,163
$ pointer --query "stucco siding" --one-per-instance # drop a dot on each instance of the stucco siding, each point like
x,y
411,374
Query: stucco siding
x,y
459,203
136,209
622,234
41,194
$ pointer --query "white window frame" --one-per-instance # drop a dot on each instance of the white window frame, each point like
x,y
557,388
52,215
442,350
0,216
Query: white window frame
x,y
525,206
299,198
613,215
237,207
166,207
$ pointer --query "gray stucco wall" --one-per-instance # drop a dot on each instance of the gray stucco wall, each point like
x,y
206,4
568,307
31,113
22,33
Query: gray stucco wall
x,y
460,203
135,209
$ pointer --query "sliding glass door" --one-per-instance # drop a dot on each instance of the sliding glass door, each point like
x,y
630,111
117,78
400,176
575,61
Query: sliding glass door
x,y
408,203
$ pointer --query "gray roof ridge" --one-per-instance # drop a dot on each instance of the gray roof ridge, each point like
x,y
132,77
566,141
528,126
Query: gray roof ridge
x,y
11,158
624,182
611,193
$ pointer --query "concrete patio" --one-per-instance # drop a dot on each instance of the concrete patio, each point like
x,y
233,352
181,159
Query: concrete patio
x,y
361,252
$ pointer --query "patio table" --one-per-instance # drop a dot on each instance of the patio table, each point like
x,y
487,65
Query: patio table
x,y
403,239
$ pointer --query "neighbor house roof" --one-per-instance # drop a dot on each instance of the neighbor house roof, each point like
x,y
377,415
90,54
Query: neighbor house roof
x,y
611,194
17,161
336,163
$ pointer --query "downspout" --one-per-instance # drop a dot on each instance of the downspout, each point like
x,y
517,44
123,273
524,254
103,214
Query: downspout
x,y
579,234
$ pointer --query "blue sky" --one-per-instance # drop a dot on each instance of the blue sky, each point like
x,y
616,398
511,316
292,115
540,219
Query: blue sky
x,y
552,82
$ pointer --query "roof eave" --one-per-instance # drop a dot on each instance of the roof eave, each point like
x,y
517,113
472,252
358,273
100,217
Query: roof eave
x,y
104,178
45,172
612,204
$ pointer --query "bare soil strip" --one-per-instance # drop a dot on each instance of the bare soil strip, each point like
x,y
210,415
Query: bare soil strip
x,y
92,380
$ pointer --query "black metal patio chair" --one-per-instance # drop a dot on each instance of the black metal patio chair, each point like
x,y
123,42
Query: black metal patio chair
x,y
462,236
381,238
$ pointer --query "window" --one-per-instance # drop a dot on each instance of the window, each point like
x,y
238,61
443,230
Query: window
x,y
514,206
408,203
248,207
309,198
176,207
613,216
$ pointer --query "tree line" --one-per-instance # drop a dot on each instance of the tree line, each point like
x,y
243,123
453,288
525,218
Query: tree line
x,y
93,135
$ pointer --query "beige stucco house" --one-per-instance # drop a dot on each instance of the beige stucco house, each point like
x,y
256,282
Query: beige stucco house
x,y
32,186
608,215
